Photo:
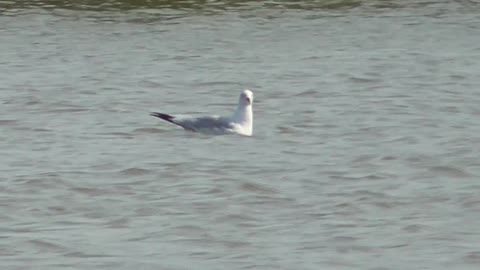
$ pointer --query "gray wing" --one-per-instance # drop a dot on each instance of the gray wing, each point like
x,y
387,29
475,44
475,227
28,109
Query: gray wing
x,y
204,123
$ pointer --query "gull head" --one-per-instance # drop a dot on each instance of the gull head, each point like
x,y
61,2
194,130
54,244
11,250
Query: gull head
x,y
246,98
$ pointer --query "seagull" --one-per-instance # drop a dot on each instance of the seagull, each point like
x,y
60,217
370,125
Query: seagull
x,y
240,122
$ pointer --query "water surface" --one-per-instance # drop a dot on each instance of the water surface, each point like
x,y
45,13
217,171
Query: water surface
x,y
365,152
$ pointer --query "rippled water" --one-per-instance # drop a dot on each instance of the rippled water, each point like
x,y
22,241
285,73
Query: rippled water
x,y
365,152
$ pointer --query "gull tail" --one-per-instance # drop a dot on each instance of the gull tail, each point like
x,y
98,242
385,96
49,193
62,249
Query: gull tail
x,y
164,116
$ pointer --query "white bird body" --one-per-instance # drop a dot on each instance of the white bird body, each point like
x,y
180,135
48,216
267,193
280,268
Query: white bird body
x,y
241,122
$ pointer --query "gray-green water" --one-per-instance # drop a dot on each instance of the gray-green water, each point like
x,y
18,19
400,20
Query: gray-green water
x,y
365,152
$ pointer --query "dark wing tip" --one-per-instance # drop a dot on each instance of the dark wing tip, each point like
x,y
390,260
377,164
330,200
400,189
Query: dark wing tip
x,y
163,116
